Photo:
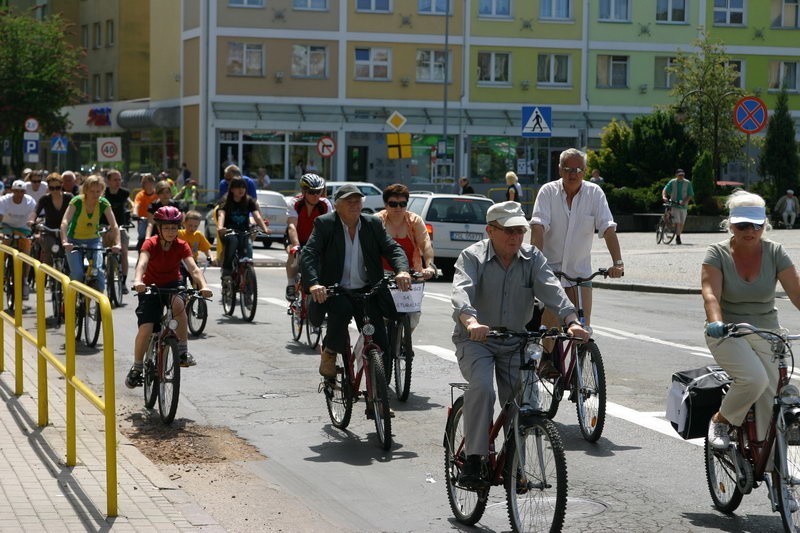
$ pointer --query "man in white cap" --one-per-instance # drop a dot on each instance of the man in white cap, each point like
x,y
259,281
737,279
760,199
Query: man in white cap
x,y
788,206
494,285
17,213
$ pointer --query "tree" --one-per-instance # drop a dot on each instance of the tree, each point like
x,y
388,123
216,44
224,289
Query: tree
x,y
704,83
779,160
703,184
39,73
612,158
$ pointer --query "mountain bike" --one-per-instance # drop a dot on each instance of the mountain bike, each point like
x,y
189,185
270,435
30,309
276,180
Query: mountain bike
x,y
581,372
665,229
737,470
400,355
242,280
365,359
162,369
530,463
87,311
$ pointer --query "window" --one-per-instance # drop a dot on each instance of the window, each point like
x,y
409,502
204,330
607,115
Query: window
x,y
617,10
728,11
554,9
553,69
98,35
494,8
246,3
431,65
109,32
432,7
310,4
97,95
738,66
493,67
109,86
784,74
85,90
664,78
309,61
612,71
381,6
85,36
245,59
789,15
671,11
372,63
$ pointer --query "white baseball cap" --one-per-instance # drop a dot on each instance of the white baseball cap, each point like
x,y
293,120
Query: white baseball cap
x,y
507,214
18,185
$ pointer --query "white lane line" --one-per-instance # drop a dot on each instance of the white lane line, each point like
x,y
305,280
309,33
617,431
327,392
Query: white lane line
x,y
702,354
275,301
609,335
648,421
438,297
438,351
647,338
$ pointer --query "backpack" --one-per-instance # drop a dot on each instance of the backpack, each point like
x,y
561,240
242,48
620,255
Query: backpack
x,y
695,395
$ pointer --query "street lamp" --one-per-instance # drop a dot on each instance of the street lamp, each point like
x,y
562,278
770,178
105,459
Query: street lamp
x,y
716,104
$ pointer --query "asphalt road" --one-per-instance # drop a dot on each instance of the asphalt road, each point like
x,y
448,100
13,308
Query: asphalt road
x,y
640,476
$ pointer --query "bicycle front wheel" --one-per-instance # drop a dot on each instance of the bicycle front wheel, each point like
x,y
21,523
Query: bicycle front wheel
x,y
248,299
197,316
297,319
150,375
669,230
660,231
80,312
339,395
169,380
91,322
787,475
403,359
721,477
57,299
380,399
536,478
313,334
467,505
589,387
228,298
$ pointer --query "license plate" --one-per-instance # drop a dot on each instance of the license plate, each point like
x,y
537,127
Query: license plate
x,y
465,236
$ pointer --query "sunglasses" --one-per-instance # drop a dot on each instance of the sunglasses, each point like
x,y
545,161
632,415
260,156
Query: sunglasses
x,y
54,187
36,181
314,192
744,226
515,230
570,170
397,204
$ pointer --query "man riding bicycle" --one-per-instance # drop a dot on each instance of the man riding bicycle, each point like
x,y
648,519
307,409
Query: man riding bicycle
x,y
304,208
494,286
17,213
160,265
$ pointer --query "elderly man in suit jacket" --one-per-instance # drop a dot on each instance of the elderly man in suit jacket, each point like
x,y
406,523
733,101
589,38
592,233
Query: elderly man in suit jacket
x,y
346,247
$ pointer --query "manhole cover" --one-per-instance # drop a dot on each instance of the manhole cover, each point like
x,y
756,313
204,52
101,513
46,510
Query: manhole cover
x,y
273,395
583,508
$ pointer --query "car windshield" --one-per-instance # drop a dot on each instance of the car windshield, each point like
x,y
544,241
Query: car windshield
x,y
463,210
271,200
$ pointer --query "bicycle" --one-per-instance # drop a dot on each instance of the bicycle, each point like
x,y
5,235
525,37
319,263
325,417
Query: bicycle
x,y
737,470
162,369
11,240
87,311
400,356
59,262
363,359
581,372
196,309
530,463
115,278
298,316
243,280
665,229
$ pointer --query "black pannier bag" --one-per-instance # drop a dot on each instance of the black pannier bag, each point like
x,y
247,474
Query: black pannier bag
x,y
695,395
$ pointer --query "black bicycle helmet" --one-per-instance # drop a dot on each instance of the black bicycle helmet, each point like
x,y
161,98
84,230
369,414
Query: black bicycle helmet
x,y
312,181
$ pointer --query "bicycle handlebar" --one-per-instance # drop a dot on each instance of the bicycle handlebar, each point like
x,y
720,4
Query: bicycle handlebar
x,y
188,291
578,280
743,328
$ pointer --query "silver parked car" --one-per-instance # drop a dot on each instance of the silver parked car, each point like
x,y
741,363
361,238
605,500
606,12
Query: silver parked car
x,y
274,211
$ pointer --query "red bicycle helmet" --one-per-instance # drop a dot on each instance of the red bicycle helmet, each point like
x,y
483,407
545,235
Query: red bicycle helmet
x,y
168,214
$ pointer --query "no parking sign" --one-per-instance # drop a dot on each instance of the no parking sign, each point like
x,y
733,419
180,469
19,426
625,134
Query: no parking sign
x,y
109,149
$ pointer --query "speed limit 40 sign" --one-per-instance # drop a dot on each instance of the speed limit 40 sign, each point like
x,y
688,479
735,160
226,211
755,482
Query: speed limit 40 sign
x,y
109,149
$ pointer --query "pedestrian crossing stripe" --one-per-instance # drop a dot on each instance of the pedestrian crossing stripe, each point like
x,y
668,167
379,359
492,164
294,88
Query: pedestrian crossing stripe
x,y
537,123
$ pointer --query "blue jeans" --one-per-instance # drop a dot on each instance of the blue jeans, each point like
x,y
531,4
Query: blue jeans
x,y
75,260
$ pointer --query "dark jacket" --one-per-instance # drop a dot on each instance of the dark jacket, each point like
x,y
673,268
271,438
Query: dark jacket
x,y
322,258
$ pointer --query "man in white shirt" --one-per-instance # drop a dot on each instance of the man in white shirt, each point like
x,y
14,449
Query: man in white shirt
x,y
565,217
17,213
35,187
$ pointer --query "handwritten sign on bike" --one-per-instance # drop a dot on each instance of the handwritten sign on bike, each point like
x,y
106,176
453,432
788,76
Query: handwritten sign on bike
x,y
408,301
750,114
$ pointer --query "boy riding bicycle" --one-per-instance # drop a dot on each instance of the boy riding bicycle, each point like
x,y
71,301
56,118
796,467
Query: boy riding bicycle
x,y
159,264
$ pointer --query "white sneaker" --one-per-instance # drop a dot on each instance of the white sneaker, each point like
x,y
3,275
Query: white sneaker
x,y
718,437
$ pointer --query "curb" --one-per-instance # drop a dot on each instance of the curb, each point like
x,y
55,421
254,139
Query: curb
x,y
640,287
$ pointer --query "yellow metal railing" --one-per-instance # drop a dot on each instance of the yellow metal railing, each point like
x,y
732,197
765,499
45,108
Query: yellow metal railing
x,y
106,406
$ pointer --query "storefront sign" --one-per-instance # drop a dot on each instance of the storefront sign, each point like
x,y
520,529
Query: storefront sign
x,y
99,116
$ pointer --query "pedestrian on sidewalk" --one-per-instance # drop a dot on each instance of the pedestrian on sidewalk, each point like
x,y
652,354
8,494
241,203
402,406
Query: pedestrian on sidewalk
x,y
788,206
679,192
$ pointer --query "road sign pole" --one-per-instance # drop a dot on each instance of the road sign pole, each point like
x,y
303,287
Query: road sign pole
x,y
747,162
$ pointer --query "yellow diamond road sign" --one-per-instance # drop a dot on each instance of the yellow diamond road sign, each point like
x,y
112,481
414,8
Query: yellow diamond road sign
x,y
396,120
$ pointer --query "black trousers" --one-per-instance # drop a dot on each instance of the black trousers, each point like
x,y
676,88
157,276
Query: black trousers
x,y
342,308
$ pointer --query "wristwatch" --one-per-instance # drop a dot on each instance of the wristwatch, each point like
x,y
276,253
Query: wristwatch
x,y
619,262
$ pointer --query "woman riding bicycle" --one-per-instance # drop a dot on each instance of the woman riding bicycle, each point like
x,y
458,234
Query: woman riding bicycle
x,y
80,225
738,285
160,265
234,214
53,204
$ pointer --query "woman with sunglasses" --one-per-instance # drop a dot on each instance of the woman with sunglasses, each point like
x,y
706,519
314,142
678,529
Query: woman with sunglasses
x,y
738,285
53,205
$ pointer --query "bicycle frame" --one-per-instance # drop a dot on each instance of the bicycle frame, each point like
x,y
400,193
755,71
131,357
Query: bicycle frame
x,y
354,359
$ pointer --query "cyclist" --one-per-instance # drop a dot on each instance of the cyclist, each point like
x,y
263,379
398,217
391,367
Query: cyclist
x,y
231,172
17,213
678,192
188,194
34,187
303,209
81,223
738,285
346,247
160,264
195,238
53,205
234,214
164,194
494,285
120,200
141,202
69,183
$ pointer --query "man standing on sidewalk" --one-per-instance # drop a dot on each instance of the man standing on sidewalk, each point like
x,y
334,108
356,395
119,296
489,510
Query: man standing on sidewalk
x,y
679,192
788,206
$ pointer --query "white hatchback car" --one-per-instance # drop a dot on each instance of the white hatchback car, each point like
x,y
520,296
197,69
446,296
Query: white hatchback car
x,y
373,196
453,222
274,211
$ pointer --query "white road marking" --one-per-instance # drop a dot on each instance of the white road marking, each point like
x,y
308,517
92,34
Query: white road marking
x,y
438,351
595,331
646,338
647,420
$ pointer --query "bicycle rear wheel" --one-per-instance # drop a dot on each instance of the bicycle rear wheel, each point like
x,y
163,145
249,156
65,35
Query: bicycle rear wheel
x,y
113,280
297,319
169,380
536,478
339,395
91,322
80,312
403,358
721,477
787,475
467,505
197,315
589,387
9,283
248,299
150,375
380,399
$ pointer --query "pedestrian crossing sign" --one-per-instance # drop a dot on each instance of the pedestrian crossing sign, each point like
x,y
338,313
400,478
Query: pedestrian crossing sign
x,y
58,145
536,121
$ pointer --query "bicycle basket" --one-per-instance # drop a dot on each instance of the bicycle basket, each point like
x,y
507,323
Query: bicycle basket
x,y
695,395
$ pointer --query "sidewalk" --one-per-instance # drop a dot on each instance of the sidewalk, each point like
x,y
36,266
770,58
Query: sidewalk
x,y
38,492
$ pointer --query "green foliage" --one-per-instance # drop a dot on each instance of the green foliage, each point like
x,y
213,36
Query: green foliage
x,y
704,185
779,160
612,158
706,91
39,73
630,200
